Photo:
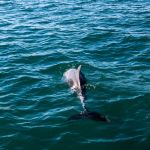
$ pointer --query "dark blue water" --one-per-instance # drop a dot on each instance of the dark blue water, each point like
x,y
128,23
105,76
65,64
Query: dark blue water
x,y
40,40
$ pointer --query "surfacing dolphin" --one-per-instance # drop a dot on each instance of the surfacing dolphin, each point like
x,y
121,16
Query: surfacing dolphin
x,y
77,82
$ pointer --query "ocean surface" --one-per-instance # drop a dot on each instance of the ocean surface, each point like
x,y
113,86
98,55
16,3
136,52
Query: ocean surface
x,y
40,40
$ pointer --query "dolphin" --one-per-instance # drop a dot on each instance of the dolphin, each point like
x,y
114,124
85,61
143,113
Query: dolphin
x,y
77,82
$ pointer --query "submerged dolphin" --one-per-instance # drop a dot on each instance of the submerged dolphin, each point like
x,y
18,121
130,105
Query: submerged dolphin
x,y
95,116
77,82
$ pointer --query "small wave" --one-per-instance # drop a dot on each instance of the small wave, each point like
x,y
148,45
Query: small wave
x,y
113,140
90,38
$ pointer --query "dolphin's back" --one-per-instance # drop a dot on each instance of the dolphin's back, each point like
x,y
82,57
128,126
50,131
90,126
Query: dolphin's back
x,y
72,78
77,81
75,78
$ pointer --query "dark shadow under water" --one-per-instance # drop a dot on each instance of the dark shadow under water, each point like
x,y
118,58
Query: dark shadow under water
x,y
91,115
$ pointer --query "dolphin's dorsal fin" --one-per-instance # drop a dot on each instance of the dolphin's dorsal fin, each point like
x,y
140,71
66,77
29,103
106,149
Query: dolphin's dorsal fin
x,y
78,76
79,68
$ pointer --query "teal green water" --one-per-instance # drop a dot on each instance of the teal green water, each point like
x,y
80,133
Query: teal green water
x,y
40,40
